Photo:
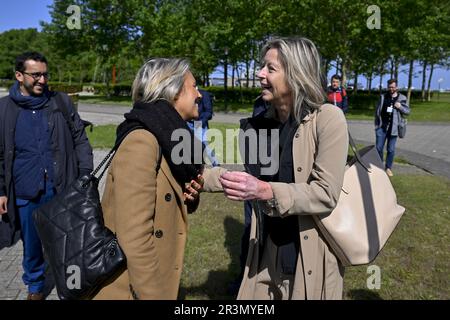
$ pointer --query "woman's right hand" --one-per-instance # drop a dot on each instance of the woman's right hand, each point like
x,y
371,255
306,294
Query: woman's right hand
x,y
243,186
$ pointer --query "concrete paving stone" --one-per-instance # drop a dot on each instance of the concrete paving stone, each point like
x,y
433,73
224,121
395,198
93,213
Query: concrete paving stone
x,y
8,258
16,285
22,295
9,294
4,265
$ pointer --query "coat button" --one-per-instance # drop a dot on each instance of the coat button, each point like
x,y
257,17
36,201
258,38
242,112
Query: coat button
x,y
309,272
158,233
305,237
297,135
299,169
168,197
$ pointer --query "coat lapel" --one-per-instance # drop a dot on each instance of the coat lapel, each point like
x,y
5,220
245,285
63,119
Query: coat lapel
x,y
174,184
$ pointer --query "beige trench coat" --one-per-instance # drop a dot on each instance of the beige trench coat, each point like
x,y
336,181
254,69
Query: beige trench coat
x,y
147,213
319,155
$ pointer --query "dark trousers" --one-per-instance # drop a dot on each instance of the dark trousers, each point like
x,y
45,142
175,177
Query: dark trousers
x,y
381,136
33,259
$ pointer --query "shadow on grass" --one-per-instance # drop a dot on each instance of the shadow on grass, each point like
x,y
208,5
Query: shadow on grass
x,y
363,294
215,287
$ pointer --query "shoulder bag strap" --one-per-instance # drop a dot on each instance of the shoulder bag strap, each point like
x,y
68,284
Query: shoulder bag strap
x,y
108,158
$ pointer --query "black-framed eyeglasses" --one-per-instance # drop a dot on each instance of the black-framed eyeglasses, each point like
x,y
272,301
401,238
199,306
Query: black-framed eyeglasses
x,y
37,75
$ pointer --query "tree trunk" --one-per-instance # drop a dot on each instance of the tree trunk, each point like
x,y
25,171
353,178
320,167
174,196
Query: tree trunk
x,y
429,83
370,82
97,62
225,75
424,79
392,68
232,76
410,76
381,77
247,73
325,69
254,74
355,87
225,82
344,75
396,69
113,75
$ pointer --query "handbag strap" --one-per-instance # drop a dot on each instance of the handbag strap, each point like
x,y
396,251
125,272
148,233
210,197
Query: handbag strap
x,y
356,152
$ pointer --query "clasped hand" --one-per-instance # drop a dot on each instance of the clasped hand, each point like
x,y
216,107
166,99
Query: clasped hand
x,y
243,186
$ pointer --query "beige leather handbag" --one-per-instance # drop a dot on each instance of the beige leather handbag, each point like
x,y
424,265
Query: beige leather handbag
x,y
367,211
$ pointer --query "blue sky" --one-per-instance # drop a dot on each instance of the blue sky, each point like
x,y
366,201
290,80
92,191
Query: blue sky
x,y
21,14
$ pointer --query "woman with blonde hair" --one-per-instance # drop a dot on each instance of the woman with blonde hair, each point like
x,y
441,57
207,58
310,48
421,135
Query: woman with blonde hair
x,y
288,258
148,194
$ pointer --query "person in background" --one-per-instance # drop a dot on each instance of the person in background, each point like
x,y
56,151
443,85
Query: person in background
x,y
336,94
41,153
200,125
390,107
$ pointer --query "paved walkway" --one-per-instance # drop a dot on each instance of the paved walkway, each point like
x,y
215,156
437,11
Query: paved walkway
x,y
427,146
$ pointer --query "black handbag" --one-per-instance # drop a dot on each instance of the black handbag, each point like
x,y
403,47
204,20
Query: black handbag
x,y
401,126
82,253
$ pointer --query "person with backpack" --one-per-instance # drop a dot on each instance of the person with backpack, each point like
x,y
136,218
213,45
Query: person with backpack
x,y
336,94
43,148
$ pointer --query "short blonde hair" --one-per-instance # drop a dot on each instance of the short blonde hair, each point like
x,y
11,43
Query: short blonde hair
x,y
302,64
159,78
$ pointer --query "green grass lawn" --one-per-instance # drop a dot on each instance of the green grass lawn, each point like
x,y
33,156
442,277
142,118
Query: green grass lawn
x,y
120,101
103,137
438,110
415,263
434,111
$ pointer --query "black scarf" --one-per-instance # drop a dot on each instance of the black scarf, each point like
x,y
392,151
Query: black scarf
x,y
28,102
161,119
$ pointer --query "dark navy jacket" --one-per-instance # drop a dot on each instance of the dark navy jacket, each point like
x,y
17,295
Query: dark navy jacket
x,y
72,154
205,108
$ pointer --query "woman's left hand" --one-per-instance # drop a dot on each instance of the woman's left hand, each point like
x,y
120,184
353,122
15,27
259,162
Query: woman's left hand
x,y
193,189
243,186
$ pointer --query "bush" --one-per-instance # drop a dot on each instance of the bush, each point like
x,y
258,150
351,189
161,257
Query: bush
x,y
6,83
65,87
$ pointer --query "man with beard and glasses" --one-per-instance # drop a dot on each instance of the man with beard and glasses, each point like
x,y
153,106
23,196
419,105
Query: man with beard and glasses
x,y
43,148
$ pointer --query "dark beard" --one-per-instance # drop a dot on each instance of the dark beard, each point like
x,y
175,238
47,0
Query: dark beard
x,y
29,89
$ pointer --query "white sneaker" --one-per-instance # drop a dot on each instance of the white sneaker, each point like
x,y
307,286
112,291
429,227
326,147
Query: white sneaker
x,y
389,172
